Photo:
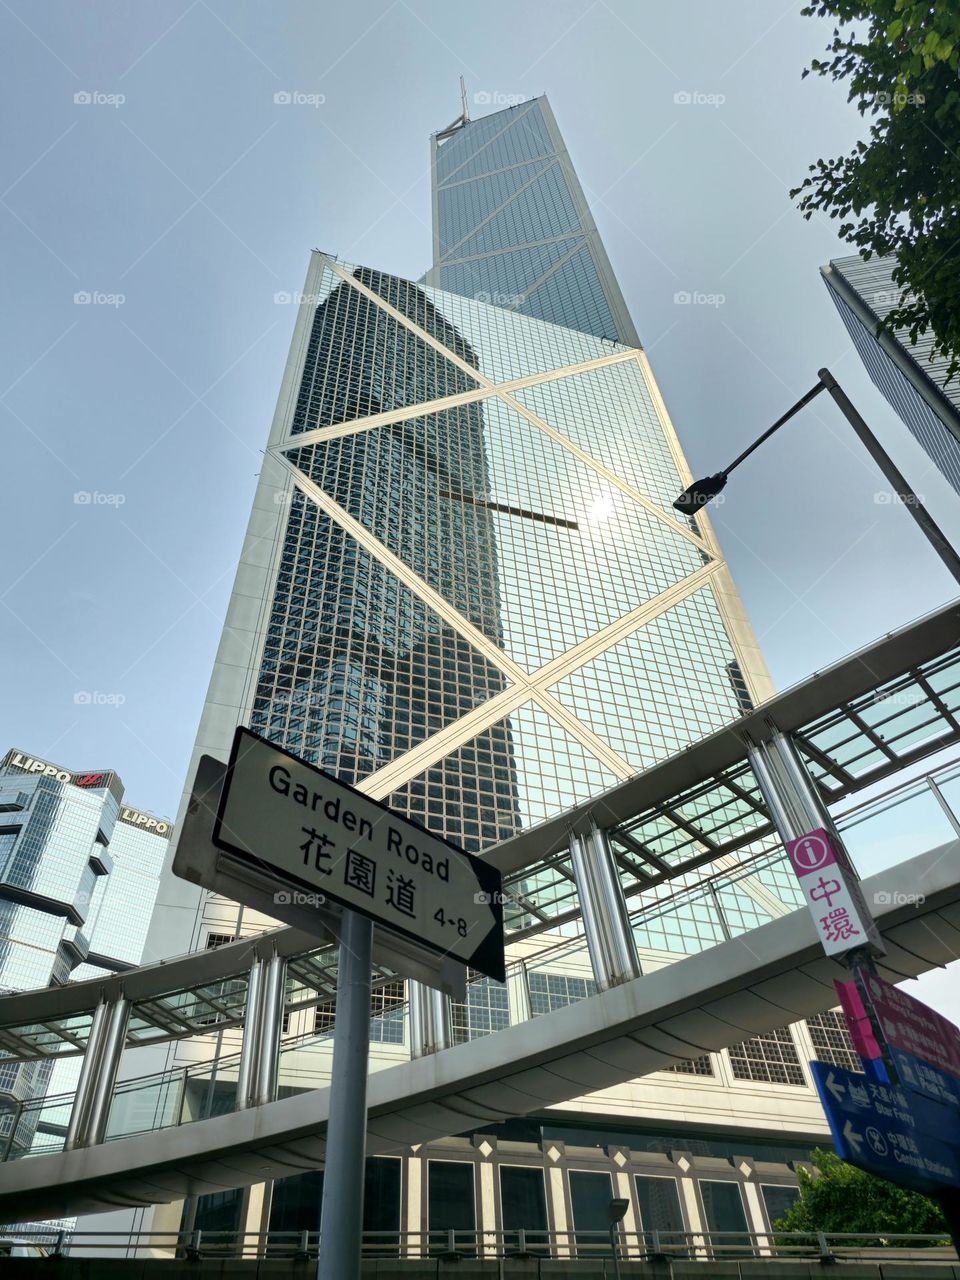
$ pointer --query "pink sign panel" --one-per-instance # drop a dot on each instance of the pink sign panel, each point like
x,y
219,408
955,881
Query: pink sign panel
x,y
858,1023
811,853
832,893
914,1027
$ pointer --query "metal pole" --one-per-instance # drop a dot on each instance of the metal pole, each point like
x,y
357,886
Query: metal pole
x,y
804,400
928,526
603,909
341,1219
89,1071
250,1044
271,1026
113,1044
430,1022
614,1248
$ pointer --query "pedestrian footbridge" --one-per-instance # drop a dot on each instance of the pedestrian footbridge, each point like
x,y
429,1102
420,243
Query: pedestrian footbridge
x,y
693,844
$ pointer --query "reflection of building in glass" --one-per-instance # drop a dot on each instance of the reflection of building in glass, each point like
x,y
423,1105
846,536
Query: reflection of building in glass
x,y
358,669
915,386
78,877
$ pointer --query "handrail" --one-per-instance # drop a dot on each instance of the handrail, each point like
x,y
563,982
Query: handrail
x,y
518,1241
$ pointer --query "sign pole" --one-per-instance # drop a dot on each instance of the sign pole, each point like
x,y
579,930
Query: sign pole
x,y
341,1224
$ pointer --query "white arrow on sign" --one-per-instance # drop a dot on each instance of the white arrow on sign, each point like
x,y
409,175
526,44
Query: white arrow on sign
x,y
855,1139
325,841
839,1091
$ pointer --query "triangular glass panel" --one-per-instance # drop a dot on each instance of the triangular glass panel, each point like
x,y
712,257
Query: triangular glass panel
x,y
518,772
661,688
356,668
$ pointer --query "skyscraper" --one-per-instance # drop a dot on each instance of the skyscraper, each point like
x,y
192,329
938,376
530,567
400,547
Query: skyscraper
x,y
78,875
463,586
511,225
915,386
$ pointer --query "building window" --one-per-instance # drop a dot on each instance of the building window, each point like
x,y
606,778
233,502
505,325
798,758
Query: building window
x,y
590,1196
831,1040
723,1211
549,991
485,1010
770,1058
324,1016
778,1200
659,1201
451,1206
215,940
701,1066
387,1013
381,1206
523,1204
295,1205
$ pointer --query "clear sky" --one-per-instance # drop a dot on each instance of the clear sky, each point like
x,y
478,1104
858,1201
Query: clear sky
x,y
183,198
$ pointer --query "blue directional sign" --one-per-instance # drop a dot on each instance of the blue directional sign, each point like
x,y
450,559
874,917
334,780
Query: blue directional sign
x,y
884,1130
922,1077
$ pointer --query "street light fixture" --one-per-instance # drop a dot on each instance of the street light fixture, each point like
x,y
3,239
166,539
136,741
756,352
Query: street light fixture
x,y
616,1211
701,492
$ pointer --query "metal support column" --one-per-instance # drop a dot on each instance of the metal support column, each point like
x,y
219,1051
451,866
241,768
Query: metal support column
x,y
613,953
795,804
250,1046
89,1073
270,1030
341,1221
114,1038
430,1023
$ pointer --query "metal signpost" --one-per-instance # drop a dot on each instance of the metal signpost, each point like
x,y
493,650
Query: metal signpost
x,y
285,826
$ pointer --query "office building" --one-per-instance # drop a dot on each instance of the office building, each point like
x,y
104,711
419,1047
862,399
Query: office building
x,y
915,386
79,871
464,585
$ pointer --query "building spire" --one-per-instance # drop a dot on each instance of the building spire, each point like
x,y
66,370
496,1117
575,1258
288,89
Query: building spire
x,y
462,119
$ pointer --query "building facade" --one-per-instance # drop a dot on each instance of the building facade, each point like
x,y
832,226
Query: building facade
x,y
79,871
915,386
465,590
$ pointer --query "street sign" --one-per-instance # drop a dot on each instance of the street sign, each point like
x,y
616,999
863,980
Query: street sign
x,y
914,1027
881,1129
922,1045
326,841
833,895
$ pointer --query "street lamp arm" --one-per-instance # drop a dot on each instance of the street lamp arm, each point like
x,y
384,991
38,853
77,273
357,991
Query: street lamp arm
x,y
804,400
703,491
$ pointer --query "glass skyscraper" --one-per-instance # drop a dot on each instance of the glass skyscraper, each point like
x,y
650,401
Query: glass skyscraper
x,y
914,385
464,586
511,225
79,871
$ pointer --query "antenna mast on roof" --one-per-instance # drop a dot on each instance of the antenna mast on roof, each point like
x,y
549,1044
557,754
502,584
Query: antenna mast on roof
x,y
462,119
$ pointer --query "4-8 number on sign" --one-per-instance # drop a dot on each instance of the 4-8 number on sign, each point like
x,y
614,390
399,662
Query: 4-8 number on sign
x,y
460,923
